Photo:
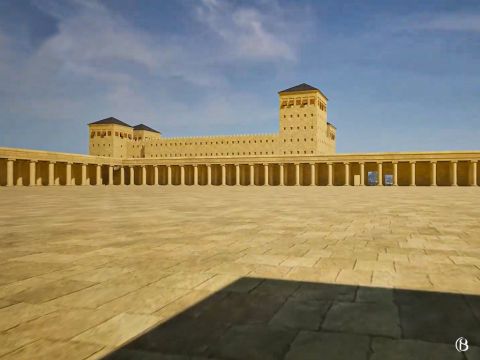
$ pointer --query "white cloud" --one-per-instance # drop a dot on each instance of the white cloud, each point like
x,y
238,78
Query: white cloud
x,y
250,33
98,63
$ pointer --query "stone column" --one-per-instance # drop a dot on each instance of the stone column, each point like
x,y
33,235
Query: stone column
x,y
51,173
312,174
99,175
380,174
412,173
144,175
362,174
169,175
68,177
395,173
32,173
182,174
265,169
454,173
10,172
122,175
84,174
155,175
209,174
195,174
282,175
252,175
237,174
330,174
224,175
297,174
474,173
132,175
347,174
110,175
434,173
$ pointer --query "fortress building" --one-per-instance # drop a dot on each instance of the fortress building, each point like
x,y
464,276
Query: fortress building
x,y
303,152
303,129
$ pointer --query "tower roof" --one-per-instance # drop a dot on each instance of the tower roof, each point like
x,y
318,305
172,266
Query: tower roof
x,y
302,87
110,120
145,128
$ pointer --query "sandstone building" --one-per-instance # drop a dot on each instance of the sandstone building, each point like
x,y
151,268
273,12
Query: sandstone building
x,y
303,152
303,129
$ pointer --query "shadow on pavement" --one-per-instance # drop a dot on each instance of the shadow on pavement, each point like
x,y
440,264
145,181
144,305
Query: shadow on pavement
x,y
255,318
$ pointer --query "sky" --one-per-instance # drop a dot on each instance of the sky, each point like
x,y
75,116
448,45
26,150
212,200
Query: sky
x,y
399,75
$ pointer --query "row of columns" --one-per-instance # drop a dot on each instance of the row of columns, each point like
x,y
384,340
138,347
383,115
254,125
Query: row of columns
x,y
68,175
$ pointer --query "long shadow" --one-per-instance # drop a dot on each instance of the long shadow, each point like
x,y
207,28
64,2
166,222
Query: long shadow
x,y
255,318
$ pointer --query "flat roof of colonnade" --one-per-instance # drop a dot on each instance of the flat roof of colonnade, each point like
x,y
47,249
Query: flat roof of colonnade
x,y
40,155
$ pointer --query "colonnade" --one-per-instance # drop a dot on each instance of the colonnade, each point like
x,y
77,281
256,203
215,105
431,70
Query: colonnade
x,y
324,173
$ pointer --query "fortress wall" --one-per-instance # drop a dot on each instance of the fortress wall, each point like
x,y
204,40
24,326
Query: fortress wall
x,y
234,145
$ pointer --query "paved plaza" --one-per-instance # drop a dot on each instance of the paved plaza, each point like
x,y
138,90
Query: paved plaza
x,y
239,272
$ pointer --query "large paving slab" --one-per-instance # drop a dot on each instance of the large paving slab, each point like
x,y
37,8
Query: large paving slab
x,y
238,272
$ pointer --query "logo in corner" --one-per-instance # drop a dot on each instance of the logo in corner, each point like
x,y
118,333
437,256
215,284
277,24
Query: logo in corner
x,y
461,344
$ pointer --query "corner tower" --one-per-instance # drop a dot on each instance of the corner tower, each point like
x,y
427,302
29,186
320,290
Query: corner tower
x,y
303,122
109,137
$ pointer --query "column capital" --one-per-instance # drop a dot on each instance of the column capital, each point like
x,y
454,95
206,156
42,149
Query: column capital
x,y
11,159
312,163
361,162
454,161
433,161
412,161
380,162
395,162
68,162
265,164
195,165
33,161
346,162
329,162
474,161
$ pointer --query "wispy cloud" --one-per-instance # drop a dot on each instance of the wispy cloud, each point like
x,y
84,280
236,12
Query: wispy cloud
x,y
98,63
251,33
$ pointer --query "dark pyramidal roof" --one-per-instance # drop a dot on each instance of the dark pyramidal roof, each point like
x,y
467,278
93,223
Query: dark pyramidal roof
x,y
302,87
110,120
144,127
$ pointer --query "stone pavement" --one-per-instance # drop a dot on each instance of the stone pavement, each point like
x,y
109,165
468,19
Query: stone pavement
x,y
239,272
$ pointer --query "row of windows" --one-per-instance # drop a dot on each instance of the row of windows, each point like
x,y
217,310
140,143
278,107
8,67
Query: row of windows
x,y
211,143
291,140
303,102
216,154
121,135
298,127
298,152
298,115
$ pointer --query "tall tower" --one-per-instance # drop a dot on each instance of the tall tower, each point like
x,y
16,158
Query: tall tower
x,y
303,122
109,137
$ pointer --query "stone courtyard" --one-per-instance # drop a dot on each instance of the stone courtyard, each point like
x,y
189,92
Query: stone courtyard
x,y
177,272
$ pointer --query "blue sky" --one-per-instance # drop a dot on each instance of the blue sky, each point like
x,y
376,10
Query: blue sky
x,y
400,75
